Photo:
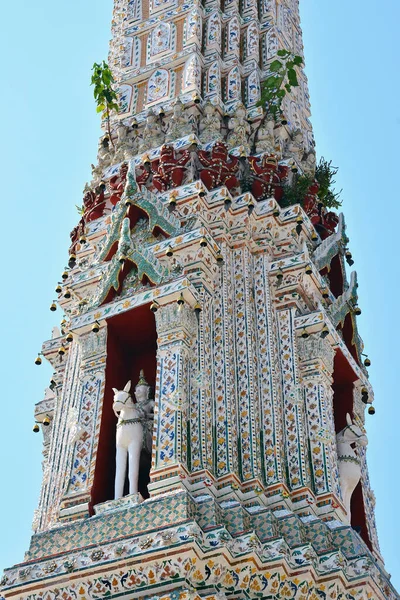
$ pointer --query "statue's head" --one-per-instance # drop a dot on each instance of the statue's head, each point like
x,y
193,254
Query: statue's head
x,y
297,135
142,389
270,161
124,169
209,108
240,110
151,116
178,107
219,150
353,433
121,129
122,398
167,152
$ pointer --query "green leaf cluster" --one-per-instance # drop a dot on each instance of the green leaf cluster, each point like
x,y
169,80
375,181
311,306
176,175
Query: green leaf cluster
x,y
282,78
324,175
104,94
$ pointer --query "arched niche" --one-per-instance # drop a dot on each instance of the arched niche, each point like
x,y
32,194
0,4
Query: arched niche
x,y
134,10
343,403
124,98
158,86
336,277
191,74
233,85
131,346
213,31
161,41
213,81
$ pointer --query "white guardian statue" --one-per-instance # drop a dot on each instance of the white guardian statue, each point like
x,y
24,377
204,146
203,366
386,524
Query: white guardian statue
x,y
134,432
349,462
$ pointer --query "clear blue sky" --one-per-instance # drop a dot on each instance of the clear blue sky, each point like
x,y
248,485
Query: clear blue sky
x,y
50,133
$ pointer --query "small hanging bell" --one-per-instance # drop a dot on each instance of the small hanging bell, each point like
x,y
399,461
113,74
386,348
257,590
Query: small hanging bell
x,y
53,307
154,306
197,308
203,242
308,270
325,293
82,239
46,421
305,334
364,395
371,410
367,362
181,300
349,258
58,289
96,327
227,203
169,252
64,275
279,274
69,338
67,294
72,260
38,360
61,351
324,332
219,258
357,311
36,428
172,201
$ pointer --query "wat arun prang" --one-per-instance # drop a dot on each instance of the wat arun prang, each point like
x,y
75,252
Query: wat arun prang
x,y
204,428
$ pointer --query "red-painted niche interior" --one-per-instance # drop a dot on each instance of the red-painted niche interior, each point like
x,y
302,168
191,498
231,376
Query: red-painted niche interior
x,y
131,346
343,386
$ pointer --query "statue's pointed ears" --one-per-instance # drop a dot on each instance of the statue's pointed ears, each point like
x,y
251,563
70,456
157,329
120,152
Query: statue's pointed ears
x,y
348,419
127,387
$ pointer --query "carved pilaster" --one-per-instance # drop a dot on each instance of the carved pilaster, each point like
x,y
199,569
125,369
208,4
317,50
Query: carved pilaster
x,y
59,455
316,363
247,399
82,423
224,372
293,407
269,383
369,501
176,368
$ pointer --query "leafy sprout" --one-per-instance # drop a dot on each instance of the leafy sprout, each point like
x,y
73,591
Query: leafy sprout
x,y
104,94
324,175
282,78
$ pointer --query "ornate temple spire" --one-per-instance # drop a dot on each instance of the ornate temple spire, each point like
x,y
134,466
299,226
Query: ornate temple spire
x,y
208,256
